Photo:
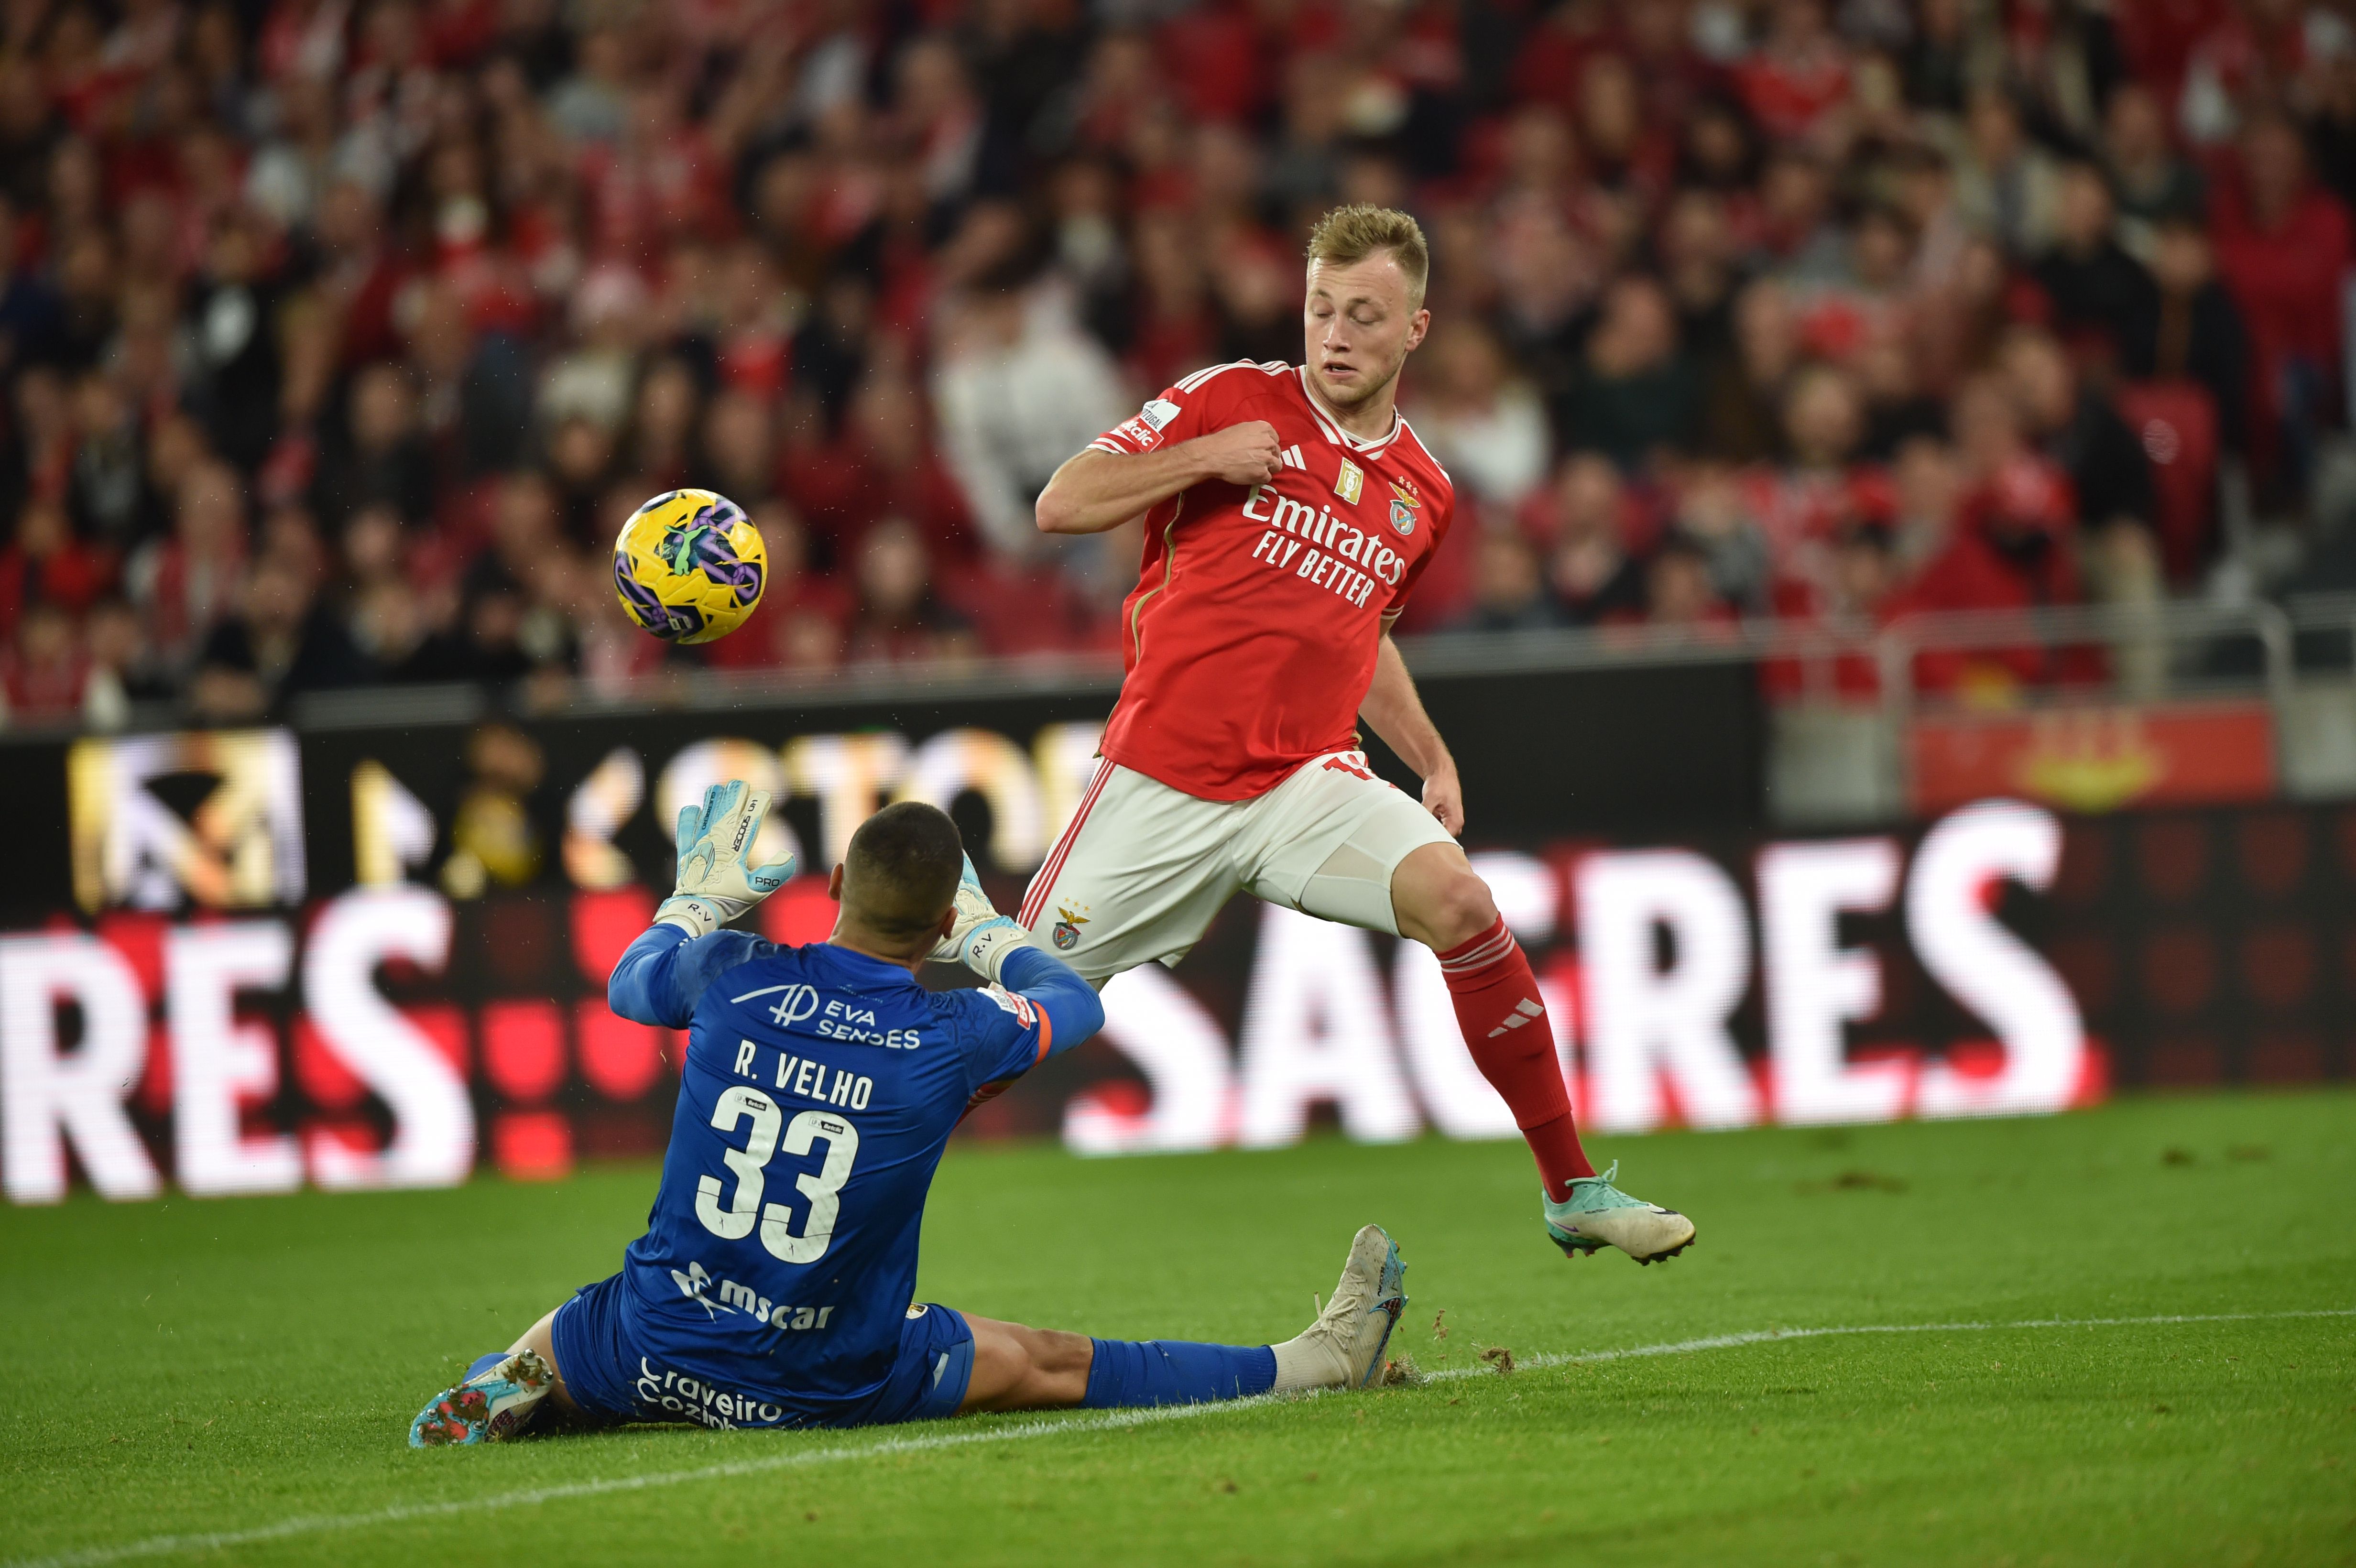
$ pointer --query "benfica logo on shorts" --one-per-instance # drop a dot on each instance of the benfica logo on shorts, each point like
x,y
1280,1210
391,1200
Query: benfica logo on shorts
x,y
1404,502
1067,927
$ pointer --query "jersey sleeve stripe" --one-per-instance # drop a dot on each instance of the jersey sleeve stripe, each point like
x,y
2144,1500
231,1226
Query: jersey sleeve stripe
x,y
1101,444
1046,1034
1195,381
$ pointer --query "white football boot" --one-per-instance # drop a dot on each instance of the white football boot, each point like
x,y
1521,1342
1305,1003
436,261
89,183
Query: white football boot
x,y
1344,1348
1597,1214
491,1406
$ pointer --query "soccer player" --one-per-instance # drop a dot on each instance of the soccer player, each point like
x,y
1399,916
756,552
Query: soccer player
x,y
773,1287
1288,511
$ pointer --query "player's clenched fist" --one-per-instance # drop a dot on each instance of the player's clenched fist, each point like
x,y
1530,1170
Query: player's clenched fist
x,y
1243,454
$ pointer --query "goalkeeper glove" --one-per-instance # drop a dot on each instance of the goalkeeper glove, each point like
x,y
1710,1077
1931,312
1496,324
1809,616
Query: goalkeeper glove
x,y
714,884
982,937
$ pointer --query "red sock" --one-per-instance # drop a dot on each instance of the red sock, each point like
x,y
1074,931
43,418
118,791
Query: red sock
x,y
1504,1025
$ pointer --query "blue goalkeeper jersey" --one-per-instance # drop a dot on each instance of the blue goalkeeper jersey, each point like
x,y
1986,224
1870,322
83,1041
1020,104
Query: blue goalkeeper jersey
x,y
820,1087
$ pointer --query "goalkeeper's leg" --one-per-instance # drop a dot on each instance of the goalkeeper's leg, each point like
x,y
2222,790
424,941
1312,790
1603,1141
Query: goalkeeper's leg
x,y
1017,1368
503,1392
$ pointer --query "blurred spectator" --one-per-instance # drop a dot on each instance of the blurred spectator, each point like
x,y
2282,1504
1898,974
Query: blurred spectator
x,y
1713,516
512,620
183,584
2195,331
1677,587
2014,548
1486,425
1590,570
1509,589
2006,187
898,619
662,426
45,565
108,491
739,452
2284,249
1800,503
2152,183
1020,390
1858,595
378,457
232,325
122,669
2103,299
41,671
1927,485
2078,429
1742,418
1635,394
281,644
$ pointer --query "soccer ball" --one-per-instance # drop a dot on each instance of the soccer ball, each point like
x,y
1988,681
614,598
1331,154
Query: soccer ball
x,y
689,566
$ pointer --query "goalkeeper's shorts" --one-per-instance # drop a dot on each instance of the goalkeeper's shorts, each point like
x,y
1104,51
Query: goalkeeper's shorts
x,y
1142,868
618,1368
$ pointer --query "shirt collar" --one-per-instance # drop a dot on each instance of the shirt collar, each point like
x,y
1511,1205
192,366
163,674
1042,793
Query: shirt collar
x,y
1343,438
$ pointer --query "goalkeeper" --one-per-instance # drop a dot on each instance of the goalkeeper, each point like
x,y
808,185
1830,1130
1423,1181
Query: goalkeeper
x,y
774,1287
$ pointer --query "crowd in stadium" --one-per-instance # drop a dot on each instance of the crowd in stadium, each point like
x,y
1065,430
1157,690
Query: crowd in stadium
x,y
339,337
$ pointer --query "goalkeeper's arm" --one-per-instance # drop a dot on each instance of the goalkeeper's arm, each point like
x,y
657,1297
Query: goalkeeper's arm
x,y
1070,1005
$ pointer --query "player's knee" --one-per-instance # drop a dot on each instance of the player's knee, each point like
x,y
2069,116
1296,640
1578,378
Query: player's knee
x,y
1462,909
1055,1354
1052,1368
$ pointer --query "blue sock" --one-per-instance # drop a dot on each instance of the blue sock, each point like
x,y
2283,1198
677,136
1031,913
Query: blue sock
x,y
482,1364
1176,1371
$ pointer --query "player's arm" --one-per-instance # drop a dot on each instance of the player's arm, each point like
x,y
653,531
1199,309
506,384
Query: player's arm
x,y
662,973
1038,1004
993,947
1394,710
1099,489
1073,1010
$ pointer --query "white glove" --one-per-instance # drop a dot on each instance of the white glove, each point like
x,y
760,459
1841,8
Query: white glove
x,y
714,884
982,937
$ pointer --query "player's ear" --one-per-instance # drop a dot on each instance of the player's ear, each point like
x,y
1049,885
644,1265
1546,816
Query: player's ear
x,y
1421,325
948,923
834,882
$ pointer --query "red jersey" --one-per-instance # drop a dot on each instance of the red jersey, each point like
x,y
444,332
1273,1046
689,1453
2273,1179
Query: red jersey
x,y
1249,640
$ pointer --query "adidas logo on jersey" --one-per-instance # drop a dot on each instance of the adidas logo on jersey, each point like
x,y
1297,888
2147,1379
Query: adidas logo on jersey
x,y
1293,458
1524,1011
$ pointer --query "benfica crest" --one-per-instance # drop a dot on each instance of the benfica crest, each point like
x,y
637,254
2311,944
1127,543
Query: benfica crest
x,y
1404,502
1067,927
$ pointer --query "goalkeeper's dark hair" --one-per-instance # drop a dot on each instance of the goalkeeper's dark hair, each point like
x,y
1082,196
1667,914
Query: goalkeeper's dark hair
x,y
901,874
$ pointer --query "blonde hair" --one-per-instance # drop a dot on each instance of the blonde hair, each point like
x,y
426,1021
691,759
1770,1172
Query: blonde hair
x,y
1349,235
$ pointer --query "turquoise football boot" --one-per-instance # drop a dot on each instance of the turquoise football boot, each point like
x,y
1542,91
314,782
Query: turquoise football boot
x,y
1597,1214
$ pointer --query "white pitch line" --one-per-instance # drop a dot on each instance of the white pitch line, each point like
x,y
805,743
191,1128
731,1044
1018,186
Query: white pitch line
x,y
400,1513
1768,1336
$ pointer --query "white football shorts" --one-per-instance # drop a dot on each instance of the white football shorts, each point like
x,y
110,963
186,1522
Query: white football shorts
x,y
1142,868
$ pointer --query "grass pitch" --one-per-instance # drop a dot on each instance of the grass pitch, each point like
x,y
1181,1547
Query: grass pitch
x,y
233,1381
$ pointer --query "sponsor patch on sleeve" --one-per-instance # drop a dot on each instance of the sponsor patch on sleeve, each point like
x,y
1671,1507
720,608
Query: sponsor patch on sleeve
x,y
1144,430
1024,1013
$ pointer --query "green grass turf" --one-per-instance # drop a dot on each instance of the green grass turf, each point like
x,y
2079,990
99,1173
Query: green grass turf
x,y
186,1366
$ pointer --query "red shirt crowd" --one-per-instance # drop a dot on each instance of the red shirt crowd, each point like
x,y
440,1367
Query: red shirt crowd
x,y
339,337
